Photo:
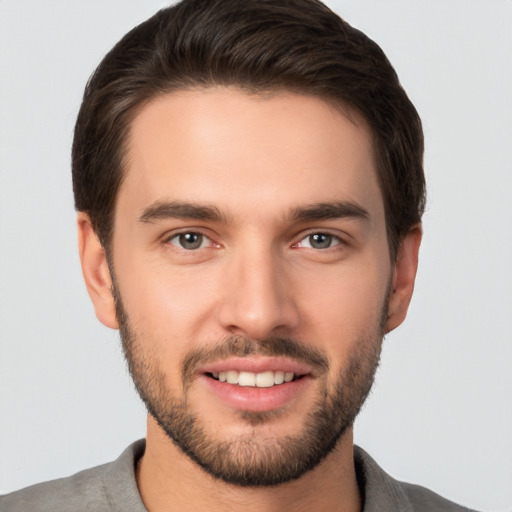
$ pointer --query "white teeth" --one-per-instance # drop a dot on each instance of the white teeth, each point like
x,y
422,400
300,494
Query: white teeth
x,y
278,377
249,379
265,380
232,377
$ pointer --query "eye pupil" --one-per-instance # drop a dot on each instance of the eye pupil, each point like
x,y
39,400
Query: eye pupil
x,y
191,240
320,240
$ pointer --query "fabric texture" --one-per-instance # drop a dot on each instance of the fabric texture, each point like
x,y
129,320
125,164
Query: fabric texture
x,y
112,487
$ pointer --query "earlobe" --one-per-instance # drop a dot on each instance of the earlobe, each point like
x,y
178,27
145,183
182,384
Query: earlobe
x,y
404,275
96,272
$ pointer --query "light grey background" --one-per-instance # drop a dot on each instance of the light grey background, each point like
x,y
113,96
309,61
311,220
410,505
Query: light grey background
x,y
441,410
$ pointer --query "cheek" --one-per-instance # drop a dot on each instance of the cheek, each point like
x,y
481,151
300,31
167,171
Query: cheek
x,y
344,307
167,306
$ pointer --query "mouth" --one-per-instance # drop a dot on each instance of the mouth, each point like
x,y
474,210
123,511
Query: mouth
x,y
265,379
256,384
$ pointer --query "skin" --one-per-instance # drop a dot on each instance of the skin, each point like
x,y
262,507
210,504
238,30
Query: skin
x,y
255,159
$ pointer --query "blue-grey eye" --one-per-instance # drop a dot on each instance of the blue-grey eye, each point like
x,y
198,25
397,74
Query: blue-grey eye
x,y
189,241
319,241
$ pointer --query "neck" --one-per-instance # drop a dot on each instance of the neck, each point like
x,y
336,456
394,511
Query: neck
x,y
168,480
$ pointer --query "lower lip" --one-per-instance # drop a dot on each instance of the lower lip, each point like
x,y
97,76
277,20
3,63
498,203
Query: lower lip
x,y
255,399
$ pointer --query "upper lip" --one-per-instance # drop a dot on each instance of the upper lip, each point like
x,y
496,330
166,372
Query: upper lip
x,y
256,365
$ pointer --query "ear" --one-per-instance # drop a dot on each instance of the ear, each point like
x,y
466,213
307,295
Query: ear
x,y
404,275
96,272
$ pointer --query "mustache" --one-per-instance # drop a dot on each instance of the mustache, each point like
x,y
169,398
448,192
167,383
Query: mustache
x,y
241,346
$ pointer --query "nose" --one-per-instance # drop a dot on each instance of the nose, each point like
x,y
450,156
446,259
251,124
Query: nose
x,y
257,298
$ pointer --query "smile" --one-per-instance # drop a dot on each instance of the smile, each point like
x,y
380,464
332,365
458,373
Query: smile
x,y
266,379
257,384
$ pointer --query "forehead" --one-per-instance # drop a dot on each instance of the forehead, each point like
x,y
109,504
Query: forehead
x,y
239,151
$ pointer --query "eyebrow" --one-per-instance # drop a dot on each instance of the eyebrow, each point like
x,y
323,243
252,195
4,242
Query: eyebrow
x,y
161,210
330,211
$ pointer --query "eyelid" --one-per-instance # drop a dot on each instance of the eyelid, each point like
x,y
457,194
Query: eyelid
x,y
335,242
340,237
166,239
204,241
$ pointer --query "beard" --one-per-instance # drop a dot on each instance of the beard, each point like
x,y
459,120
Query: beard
x,y
248,459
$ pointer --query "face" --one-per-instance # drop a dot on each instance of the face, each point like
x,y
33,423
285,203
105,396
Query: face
x,y
252,276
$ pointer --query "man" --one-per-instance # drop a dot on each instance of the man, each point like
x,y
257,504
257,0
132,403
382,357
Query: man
x,y
249,182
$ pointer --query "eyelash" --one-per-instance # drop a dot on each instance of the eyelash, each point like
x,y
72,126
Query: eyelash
x,y
177,236
338,241
331,238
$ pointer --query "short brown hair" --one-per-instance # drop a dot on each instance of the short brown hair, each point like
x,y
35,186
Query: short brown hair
x,y
259,46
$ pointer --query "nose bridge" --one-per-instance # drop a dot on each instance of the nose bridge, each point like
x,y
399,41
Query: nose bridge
x,y
258,297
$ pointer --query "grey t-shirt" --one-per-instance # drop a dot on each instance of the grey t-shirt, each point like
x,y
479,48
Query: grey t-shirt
x,y
112,487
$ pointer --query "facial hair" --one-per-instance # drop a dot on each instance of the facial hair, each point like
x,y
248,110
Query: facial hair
x,y
248,460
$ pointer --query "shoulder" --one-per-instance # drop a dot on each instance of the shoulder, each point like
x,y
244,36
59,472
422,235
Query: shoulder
x,y
382,492
424,499
82,491
107,487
